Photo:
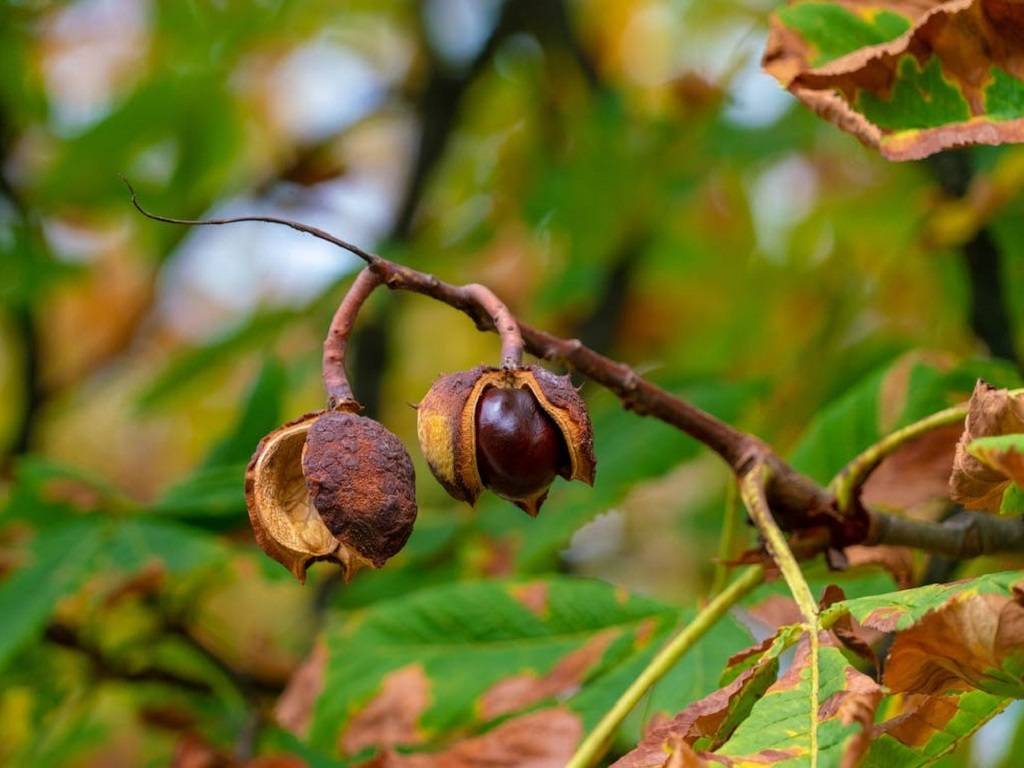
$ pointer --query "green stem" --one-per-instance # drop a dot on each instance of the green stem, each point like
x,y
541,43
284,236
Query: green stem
x,y
727,540
856,472
597,742
752,490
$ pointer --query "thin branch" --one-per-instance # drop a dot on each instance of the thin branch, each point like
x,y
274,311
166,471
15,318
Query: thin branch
x,y
597,742
106,668
316,232
503,321
797,503
962,536
336,343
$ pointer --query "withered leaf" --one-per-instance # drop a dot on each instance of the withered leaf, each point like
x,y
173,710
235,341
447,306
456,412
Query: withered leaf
x,y
974,641
908,77
543,739
520,691
294,708
392,717
991,411
915,474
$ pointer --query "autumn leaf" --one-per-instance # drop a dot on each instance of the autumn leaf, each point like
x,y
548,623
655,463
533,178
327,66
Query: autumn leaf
x,y
543,739
909,78
974,641
974,482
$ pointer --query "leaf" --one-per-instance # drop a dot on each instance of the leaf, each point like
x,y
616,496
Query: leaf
x,y
212,497
468,653
897,394
896,611
712,719
779,727
974,641
46,490
59,560
923,728
141,541
907,78
544,739
991,412
260,415
190,365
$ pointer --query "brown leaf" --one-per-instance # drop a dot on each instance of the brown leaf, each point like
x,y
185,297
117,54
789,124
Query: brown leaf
x,y
962,645
917,473
777,611
543,739
704,718
991,411
921,717
898,561
521,691
392,717
850,632
294,709
951,47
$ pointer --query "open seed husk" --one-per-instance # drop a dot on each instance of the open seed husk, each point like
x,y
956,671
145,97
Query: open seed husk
x,y
334,486
446,427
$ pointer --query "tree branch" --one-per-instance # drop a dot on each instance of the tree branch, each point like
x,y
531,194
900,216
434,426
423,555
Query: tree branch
x,y
796,502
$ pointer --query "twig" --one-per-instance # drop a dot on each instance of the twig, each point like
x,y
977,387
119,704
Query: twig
x,y
797,503
336,343
596,744
962,536
106,668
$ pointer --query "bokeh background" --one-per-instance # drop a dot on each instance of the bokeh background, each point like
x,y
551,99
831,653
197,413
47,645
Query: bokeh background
x,y
617,170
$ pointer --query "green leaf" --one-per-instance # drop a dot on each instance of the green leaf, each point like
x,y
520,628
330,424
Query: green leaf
x,y
471,652
191,365
137,542
211,497
45,491
1013,501
900,610
875,406
971,710
260,415
59,560
779,729
901,76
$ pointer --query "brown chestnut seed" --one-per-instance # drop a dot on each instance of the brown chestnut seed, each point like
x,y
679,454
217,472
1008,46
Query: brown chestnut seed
x,y
519,450
548,419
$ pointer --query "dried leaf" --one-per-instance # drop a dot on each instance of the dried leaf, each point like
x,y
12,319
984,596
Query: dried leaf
x,y
991,411
916,473
898,561
974,641
294,709
392,717
708,719
543,739
908,77
520,691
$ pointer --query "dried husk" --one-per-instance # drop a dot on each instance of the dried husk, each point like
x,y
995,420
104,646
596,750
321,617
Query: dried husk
x,y
361,480
446,426
331,485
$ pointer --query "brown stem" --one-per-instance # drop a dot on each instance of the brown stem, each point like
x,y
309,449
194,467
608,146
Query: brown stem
x,y
503,321
797,502
962,536
336,344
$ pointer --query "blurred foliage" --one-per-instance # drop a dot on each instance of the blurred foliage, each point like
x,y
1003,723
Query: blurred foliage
x,y
628,176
